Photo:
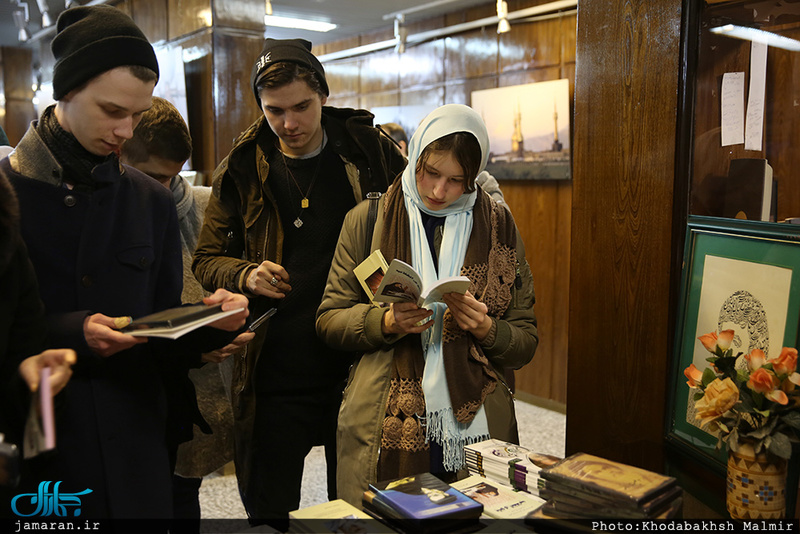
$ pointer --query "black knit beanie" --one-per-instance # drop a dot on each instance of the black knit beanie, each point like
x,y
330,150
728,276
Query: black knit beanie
x,y
91,40
292,50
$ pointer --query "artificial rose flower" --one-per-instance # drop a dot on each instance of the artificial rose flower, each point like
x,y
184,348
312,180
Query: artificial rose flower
x,y
786,363
756,359
694,375
709,341
762,381
720,396
724,339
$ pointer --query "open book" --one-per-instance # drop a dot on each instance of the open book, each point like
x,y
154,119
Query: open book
x,y
175,322
401,283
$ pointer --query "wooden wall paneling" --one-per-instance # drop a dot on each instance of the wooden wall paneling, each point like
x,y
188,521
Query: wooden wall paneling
x,y
531,45
126,6
530,76
17,73
198,67
567,33
345,102
17,67
234,102
431,97
19,114
423,64
151,17
561,292
535,209
336,46
470,55
380,100
380,72
187,16
624,153
460,91
343,77
246,15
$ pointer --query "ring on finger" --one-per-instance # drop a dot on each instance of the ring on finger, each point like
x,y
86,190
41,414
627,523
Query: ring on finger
x,y
274,281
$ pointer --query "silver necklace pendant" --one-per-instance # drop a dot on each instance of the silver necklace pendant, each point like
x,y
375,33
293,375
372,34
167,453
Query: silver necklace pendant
x,y
297,222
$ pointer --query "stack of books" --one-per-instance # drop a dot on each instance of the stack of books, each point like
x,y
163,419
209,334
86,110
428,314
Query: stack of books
x,y
583,486
421,503
505,463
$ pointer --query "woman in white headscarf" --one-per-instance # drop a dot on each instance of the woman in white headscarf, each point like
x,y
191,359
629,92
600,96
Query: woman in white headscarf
x,y
430,381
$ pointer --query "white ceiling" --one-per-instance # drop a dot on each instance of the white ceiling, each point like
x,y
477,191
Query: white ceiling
x,y
353,17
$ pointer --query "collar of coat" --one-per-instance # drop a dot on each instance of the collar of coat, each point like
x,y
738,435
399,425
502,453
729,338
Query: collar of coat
x,y
33,159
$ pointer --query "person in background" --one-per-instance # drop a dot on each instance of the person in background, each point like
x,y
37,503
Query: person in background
x,y
103,239
160,146
22,347
280,197
397,133
430,380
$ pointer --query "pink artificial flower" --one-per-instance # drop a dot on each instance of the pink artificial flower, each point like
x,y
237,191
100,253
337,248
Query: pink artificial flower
x,y
709,341
694,375
724,339
763,381
786,363
756,359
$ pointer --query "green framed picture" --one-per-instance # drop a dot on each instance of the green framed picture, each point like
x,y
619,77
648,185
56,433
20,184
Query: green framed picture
x,y
740,275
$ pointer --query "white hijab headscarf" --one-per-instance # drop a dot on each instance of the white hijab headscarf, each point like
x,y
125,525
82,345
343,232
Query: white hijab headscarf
x,y
442,426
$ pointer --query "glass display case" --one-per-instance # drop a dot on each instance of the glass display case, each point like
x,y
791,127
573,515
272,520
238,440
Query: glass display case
x,y
742,61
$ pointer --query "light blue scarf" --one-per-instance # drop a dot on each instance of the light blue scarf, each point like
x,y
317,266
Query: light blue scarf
x,y
442,426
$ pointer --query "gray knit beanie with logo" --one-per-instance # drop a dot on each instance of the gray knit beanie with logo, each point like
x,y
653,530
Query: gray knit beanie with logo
x,y
292,50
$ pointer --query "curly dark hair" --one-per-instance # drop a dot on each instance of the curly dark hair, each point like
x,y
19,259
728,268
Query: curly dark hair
x,y
161,132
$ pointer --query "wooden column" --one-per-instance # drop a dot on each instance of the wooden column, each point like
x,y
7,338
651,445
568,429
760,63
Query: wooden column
x,y
16,68
626,96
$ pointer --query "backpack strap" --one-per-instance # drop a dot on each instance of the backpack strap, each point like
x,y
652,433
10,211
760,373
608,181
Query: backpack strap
x,y
372,217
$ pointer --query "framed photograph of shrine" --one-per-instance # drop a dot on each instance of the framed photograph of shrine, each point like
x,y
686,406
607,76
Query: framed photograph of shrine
x,y
737,275
529,130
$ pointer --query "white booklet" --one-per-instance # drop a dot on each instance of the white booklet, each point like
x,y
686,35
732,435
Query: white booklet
x,y
175,322
402,283
498,502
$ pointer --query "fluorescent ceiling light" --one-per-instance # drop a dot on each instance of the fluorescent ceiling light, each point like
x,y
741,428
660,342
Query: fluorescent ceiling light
x,y
300,24
759,36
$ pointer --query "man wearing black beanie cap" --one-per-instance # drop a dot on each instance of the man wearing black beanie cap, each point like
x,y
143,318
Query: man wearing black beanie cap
x,y
271,227
105,245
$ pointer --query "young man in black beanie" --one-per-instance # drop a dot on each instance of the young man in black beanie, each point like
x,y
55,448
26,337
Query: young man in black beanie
x,y
280,197
104,242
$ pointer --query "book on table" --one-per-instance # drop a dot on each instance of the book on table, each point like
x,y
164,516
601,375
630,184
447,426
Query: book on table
x,y
399,282
175,322
422,503
499,502
334,516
